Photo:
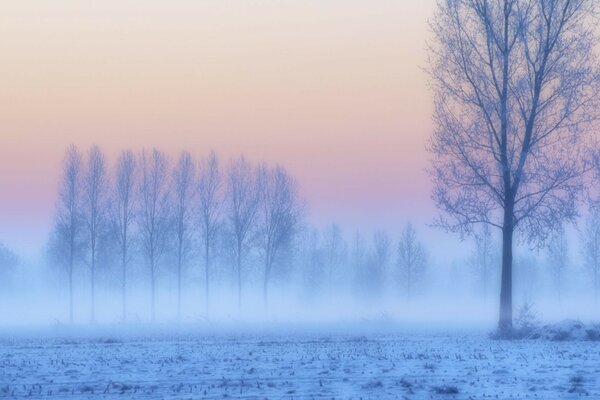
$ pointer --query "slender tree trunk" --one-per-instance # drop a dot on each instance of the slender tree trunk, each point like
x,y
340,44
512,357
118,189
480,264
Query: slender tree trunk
x,y
71,293
558,284
123,283
152,304
93,319
596,286
408,278
206,273
239,271
179,284
265,290
505,323
266,282
485,278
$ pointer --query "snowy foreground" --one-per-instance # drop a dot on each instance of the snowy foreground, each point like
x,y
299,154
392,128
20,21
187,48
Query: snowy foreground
x,y
294,365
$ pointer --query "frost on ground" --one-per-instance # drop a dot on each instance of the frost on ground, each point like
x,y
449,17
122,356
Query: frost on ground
x,y
297,366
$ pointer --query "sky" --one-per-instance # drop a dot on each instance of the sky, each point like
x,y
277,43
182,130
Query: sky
x,y
333,90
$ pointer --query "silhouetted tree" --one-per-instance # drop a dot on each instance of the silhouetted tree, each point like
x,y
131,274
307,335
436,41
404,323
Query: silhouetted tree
x,y
334,248
311,259
94,206
8,264
412,259
243,202
65,241
154,213
183,201
558,258
379,261
280,216
124,214
515,82
210,201
484,258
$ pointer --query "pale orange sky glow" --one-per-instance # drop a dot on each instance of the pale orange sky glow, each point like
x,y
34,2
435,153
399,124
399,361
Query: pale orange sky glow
x,y
334,90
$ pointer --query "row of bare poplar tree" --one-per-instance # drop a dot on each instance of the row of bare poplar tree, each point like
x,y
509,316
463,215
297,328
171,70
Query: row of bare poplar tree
x,y
164,207
172,214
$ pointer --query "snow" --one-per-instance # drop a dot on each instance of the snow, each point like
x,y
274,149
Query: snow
x,y
294,365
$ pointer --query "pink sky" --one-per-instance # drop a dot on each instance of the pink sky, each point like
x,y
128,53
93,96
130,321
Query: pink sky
x,y
334,90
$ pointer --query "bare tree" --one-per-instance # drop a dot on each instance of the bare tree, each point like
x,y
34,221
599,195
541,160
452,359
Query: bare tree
x,y
558,257
95,203
334,248
358,260
515,82
311,261
210,206
381,247
379,260
154,213
243,206
124,214
590,240
279,217
183,181
527,276
65,242
9,262
483,258
412,259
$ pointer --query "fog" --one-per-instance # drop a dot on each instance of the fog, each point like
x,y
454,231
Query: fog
x,y
450,294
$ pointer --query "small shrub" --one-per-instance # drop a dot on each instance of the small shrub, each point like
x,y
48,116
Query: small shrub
x,y
527,320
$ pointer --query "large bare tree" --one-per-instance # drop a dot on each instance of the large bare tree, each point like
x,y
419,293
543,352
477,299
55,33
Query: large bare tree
x,y
183,202
154,213
243,196
124,214
95,210
210,203
280,216
515,83
65,241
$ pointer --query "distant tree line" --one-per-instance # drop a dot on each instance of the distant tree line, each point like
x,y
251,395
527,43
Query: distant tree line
x,y
149,208
188,214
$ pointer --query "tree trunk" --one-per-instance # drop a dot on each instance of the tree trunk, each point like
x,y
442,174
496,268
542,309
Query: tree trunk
x,y
93,319
152,312
505,324
71,294
179,283
408,278
596,286
265,291
124,281
485,278
266,282
206,273
239,271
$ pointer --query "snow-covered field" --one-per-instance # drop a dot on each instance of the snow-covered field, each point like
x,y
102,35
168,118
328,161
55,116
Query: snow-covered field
x,y
295,365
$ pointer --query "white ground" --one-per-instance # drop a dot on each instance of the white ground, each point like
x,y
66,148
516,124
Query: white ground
x,y
182,366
